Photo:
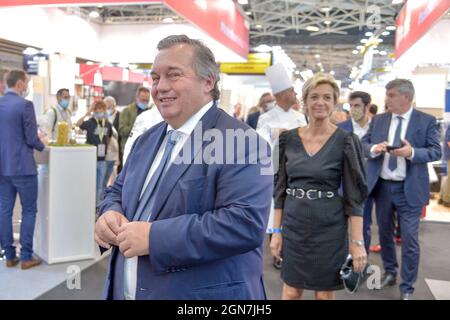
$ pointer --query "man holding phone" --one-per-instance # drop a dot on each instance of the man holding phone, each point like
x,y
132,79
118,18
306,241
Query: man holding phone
x,y
399,144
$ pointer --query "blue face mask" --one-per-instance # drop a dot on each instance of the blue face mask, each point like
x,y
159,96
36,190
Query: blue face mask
x,y
109,113
142,106
99,115
64,103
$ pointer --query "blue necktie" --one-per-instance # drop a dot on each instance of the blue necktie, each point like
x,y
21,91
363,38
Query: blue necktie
x,y
147,199
393,159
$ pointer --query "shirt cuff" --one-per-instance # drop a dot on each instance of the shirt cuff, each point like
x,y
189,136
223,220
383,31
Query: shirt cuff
x,y
412,154
373,154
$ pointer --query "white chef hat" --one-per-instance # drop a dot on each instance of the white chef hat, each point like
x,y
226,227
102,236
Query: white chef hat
x,y
278,78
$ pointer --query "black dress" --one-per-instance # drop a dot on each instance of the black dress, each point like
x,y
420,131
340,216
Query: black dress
x,y
315,236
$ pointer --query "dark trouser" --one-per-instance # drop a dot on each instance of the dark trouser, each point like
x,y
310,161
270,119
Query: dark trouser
x,y
27,188
390,196
367,223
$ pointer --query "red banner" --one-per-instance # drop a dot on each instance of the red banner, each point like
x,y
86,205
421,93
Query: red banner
x,y
218,18
415,19
69,2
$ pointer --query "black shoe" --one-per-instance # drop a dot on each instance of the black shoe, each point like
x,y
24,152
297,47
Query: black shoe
x,y
276,263
388,281
406,296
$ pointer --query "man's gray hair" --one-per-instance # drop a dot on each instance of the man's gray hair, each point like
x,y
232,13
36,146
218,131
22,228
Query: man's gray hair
x,y
403,86
110,98
204,62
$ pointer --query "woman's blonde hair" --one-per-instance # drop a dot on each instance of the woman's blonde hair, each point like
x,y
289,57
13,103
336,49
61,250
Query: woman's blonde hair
x,y
318,79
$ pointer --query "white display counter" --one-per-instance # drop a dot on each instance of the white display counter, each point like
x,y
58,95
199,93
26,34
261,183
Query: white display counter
x,y
66,204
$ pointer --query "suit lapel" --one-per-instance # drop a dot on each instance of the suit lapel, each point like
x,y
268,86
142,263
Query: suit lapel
x,y
412,127
174,172
146,155
385,126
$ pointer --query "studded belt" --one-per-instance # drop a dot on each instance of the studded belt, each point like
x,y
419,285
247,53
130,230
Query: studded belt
x,y
310,194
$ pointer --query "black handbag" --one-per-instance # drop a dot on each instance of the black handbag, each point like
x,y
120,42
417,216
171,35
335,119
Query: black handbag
x,y
349,277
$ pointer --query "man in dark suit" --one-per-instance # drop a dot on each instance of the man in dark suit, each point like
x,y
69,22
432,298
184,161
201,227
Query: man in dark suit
x,y
266,103
183,226
399,144
359,124
18,138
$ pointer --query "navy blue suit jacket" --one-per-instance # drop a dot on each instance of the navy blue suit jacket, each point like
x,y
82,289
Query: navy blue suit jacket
x,y
208,223
346,125
18,136
252,119
422,134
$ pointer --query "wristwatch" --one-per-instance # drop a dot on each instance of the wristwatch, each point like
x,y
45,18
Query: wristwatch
x,y
359,243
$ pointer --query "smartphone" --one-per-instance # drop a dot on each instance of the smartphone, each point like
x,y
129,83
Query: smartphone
x,y
390,148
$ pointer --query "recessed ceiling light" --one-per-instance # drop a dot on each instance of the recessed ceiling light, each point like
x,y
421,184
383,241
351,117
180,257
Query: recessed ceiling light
x,y
297,72
167,20
368,34
379,40
355,51
359,47
383,53
312,28
390,28
243,1
385,33
327,22
94,14
325,9
376,51
317,56
248,13
258,26
332,72
363,40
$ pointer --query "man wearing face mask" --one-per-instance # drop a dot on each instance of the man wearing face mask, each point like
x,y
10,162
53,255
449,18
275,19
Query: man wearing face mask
x,y
359,123
59,113
18,175
99,132
129,114
266,103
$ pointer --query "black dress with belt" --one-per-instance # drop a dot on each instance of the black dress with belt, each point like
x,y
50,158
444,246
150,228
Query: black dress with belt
x,y
315,235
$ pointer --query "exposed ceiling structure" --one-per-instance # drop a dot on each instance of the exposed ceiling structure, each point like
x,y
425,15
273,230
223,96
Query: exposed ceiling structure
x,y
315,34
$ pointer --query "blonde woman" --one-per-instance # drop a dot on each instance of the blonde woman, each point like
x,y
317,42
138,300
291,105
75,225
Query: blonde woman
x,y
311,218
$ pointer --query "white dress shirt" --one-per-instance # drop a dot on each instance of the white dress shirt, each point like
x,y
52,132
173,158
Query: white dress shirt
x,y
131,264
358,130
277,118
399,174
144,121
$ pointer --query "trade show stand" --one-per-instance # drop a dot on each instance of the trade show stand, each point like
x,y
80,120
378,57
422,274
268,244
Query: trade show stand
x,y
66,204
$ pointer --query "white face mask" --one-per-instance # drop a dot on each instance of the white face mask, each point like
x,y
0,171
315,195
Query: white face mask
x,y
25,93
270,105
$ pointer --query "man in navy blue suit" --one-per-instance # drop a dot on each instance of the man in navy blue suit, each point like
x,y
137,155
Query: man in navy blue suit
x,y
359,124
266,102
399,144
183,226
18,138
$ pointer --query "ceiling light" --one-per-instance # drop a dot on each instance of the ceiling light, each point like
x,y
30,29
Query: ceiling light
x,y
167,20
332,72
379,40
325,9
94,14
355,51
327,22
376,51
359,47
248,13
397,1
297,72
312,28
364,41
368,34
258,26
30,51
243,2
317,56
322,69
383,53
390,28
385,33
319,64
